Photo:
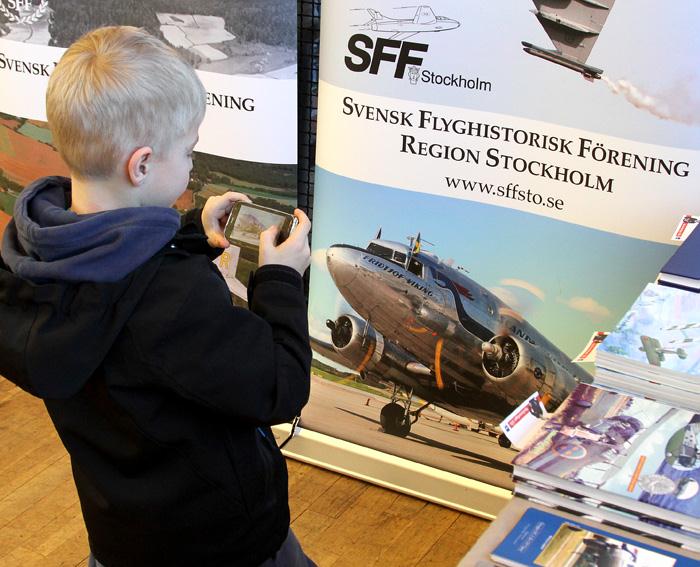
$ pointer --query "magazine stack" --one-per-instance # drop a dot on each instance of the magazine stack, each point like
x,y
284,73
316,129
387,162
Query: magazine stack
x,y
609,478
655,349
529,534
626,460
612,477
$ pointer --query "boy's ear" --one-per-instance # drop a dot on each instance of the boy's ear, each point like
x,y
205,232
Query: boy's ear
x,y
139,165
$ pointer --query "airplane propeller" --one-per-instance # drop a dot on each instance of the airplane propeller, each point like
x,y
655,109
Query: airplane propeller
x,y
500,356
341,333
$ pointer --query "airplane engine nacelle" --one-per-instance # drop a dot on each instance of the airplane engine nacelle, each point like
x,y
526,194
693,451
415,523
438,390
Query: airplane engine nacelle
x,y
512,367
363,346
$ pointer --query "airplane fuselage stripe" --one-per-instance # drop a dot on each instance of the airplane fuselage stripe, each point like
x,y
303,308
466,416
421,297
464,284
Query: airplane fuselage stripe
x,y
438,370
365,360
474,327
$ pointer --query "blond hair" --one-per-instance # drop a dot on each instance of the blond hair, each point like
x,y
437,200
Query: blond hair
x,y
117,89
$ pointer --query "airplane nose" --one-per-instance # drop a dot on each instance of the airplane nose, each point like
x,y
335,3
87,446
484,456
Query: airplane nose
x,y
342,265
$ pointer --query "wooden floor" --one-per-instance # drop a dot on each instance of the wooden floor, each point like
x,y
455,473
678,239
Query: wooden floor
x,y
340,521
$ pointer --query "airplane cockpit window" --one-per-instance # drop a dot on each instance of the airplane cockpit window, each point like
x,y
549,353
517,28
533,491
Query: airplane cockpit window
x,y
396,257
416,267
380,251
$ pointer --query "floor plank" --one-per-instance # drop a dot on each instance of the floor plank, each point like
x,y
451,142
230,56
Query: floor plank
x,y
454,542
340,521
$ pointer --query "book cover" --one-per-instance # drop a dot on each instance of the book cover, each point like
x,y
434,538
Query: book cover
x,y
547,539
682,268
633,452
660,333
590,510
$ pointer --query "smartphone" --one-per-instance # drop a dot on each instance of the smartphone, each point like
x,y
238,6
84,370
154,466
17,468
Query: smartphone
x,y
247,221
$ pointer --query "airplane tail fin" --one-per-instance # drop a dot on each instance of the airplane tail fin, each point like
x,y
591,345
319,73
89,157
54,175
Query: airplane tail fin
x,y
424,15
376,15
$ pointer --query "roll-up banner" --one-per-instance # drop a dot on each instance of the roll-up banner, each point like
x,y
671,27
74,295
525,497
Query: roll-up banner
x,y
245,55
496,182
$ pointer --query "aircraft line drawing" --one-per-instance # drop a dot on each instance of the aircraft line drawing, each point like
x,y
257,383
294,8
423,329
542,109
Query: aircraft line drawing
x,y
423,21
429,330
574,28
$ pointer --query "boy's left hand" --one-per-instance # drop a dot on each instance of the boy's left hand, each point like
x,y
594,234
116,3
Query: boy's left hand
x,y
214,216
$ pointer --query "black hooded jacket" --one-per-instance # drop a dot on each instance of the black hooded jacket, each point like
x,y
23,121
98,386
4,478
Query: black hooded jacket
x,y
160,389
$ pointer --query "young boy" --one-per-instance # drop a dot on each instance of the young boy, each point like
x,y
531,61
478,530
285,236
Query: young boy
x,y
160,389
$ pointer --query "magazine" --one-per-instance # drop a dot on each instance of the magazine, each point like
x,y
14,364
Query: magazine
x,y
548,539
658,339
630,452
677,396
599,513
683,270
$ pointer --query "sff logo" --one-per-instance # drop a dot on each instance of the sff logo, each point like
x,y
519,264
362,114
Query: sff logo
x,y
366,54
19,4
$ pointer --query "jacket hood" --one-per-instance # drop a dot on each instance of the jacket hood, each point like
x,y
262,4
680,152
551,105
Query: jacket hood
x,y
46,241
69,283
54,336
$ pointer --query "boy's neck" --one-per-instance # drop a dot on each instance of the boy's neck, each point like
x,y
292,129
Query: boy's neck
x,y
97,195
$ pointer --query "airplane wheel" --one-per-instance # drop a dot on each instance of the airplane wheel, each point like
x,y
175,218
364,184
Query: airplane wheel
x,y
503,441
393,420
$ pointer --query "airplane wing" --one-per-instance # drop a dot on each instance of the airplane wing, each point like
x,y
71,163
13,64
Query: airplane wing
x,y
381,361
573,26
400,36
328,350
649,346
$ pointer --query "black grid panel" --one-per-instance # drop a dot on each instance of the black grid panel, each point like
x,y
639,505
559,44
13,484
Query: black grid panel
x,y
309,22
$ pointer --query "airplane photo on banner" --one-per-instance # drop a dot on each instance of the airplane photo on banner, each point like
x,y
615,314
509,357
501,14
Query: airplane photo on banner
x,y
428,330
574,28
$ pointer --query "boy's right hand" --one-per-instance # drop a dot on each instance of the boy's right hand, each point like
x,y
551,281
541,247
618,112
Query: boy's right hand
x,y
293,252
214,215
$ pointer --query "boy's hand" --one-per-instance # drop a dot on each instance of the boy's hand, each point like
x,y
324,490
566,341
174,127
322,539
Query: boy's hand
x,y
293,252
215,214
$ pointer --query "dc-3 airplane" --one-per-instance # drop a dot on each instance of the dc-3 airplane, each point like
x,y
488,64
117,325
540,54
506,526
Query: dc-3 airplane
x,y
573,27
424,20
431,331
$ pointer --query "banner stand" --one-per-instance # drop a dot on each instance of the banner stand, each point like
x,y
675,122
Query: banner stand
x,y
369,465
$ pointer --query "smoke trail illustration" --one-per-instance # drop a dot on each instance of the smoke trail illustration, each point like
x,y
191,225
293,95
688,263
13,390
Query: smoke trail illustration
x,y
690,115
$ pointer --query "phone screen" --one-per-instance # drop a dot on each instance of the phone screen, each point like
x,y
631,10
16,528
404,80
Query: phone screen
x,y
251,221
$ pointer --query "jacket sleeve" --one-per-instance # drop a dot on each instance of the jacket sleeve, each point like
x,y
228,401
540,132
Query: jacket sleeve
x,y
192,237
253,365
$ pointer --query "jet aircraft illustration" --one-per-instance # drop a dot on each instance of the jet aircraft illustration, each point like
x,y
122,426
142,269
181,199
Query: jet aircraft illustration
x,y
429,330
574,28
424,20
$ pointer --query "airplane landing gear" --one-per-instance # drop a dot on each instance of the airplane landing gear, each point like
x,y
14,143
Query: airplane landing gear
x,y
394,420
503,441
395,417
